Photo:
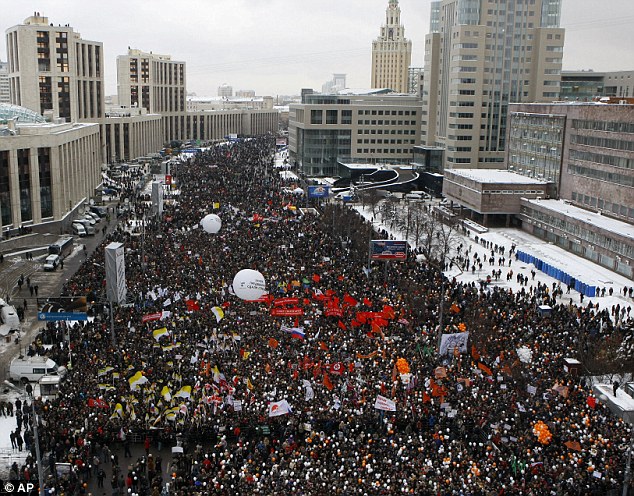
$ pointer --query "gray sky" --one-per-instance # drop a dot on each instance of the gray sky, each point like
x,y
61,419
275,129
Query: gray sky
x,y
277,47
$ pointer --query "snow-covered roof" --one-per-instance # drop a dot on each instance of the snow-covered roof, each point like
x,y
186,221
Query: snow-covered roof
x,y
592,218
495,176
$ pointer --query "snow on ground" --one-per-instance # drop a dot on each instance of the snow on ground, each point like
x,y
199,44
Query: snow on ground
x,y
584,270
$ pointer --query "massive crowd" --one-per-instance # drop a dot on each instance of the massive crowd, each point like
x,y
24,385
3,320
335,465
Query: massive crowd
x,y
197,368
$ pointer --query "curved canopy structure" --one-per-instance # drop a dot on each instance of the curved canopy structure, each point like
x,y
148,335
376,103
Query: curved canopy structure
x,y
22,114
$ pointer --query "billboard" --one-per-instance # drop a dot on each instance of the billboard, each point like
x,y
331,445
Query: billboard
x,y
384,249
157,198
116,289
318,191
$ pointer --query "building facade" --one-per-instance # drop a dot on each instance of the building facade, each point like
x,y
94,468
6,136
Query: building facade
x,y
587,85
156,83
5,95
54,72
129,133
591,144
379,128
479,57
46,170
391,53
225,91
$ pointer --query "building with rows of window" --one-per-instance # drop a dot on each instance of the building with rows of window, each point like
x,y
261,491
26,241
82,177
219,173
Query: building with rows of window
x,y
480,56
369,127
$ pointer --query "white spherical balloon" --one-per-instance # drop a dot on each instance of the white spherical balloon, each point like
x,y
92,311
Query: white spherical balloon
x,y
211,223
249,284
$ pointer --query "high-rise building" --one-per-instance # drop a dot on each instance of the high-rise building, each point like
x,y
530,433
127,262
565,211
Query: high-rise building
x,y
225,90
156,83
337,83
391,53
53,71
479,57
5,95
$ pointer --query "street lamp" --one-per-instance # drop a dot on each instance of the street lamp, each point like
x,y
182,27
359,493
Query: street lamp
x,y
34,422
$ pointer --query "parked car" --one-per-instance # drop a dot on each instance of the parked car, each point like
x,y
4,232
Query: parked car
x,y
78,229
51,262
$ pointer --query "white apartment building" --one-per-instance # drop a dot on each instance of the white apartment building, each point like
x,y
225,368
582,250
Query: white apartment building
x,y
54,72
391,53
156,83
5,95
480,56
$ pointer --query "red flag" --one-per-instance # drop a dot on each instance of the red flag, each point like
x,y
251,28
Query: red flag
x,y
592,401
328,383
367,302
349,301
474,352
323,346
342,326
426,398
273,343
316,278
336,368
355,323
388,312
192,305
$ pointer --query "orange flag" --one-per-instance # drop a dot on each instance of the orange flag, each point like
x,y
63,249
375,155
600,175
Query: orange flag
x,y
474,352
328,382
426,398
273,343
267,368
573,445
323,346
485,369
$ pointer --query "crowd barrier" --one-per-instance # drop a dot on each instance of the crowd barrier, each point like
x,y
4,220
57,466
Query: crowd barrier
x,y
558,274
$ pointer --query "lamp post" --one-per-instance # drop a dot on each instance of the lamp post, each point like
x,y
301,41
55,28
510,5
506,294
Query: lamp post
x,y
628,464
36,438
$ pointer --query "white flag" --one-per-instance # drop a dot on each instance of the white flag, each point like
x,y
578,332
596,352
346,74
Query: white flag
x,y
277,408
310,393
383,403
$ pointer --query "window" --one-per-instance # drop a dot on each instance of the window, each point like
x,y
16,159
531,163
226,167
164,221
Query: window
x,y
316,117
331,117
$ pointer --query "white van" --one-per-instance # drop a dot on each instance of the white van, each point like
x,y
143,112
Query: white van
x,y
88,226
27,369
78,229
413,196
51,262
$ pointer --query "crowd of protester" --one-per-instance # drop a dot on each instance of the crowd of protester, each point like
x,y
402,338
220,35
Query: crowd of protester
x,y
194,367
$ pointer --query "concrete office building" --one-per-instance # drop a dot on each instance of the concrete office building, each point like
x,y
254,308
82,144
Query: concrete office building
x,y
225,90
391,53
130,133
156,83
586,85
480,56
54,72
336,84
591,145
5,95
355,127
46,170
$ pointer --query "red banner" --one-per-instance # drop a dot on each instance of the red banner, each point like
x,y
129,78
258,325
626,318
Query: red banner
x,y
151,316
286,301
334,312
287,312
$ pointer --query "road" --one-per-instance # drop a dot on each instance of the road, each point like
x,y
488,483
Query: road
x,y
49,285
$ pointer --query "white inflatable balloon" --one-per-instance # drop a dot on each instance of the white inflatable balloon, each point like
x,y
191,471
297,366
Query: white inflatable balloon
x,y
211,223
249,284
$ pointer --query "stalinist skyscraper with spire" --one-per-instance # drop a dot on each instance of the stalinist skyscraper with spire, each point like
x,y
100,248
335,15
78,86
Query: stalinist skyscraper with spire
x,y
391,53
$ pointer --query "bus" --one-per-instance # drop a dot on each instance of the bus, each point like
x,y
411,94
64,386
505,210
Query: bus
x,y
62,247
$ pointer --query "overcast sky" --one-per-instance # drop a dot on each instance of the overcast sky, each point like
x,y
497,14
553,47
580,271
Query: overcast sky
x,y
277,47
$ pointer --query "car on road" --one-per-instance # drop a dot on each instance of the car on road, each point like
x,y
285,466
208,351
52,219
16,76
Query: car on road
x,y
28,369
51,262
